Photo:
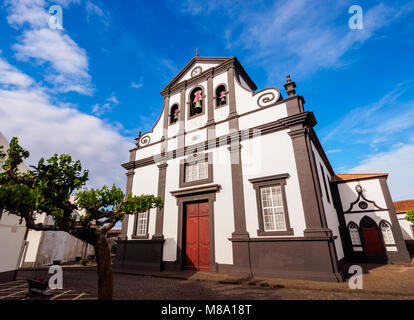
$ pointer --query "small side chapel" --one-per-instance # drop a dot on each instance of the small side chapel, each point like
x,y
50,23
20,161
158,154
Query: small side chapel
x,y
248,189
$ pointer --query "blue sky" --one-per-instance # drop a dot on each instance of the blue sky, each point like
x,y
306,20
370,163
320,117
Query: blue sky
x,y
88,89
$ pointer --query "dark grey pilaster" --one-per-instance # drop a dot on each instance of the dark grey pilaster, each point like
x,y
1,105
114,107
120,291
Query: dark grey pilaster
x,y
130,180
159,222
402,254
181,129
211,135
307,174
233,116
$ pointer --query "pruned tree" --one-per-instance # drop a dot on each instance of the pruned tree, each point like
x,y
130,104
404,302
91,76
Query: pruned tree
x,y
410,215
48,187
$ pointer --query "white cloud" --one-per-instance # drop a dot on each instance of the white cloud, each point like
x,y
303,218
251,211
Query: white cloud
x,y
293,36
45,128
106,107
135,85
359,119
66,62
94,10
10,76
334,151
398,162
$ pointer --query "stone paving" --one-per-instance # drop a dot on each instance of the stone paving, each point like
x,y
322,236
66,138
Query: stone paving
x,y
18,290
383,282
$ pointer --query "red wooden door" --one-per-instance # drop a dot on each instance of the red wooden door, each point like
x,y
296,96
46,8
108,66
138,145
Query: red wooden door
x,y
373,243
197,240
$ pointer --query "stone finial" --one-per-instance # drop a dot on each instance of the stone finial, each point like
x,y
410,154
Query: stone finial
x,y
290,86
138,138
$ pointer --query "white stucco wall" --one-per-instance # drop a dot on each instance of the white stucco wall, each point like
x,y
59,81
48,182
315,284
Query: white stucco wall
x,y
372,191
406,227
145,183
328,204
11,242
11,231
267,155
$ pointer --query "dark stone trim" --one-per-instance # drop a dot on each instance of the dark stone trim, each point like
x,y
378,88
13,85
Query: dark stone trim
x,y
294,104
196,190
266,182
308,181
365,211
321,151
225,63
170,114
233,116
343,231
181,131
278,125
194,196
134,231
402,254
8,276
315,217
203,106
242,115
215,96
360,179
210,105
139,254
306,258
159,222
191,159
360,195
283,239
238,191
130,180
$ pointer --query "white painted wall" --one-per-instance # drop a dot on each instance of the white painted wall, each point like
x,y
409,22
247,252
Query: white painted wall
x,y
204,67
11,242
372,191
145,183
267,155
46,246
11,231
330,211
406,227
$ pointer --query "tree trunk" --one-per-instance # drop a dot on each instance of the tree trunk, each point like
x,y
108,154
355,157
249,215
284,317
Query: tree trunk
x,y
105,276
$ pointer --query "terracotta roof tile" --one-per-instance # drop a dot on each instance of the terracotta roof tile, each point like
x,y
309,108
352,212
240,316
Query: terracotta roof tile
x,y
114,231
403,206
356,176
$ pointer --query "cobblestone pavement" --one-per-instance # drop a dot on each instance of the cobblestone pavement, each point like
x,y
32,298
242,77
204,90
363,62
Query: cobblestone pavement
x,y
131,287
18,290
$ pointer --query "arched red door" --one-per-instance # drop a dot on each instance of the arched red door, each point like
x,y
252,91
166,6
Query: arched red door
x,y
373,242
197,237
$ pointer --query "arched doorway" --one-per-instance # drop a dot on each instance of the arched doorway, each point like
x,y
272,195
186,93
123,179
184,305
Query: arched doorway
x,y
372,239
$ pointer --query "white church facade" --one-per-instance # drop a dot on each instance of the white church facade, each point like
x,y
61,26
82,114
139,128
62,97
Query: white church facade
x,y
248,189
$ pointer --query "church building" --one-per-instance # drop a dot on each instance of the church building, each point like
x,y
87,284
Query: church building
x,y
248,189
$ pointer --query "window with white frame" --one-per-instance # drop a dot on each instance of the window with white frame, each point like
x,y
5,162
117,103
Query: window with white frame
x,y
196,171
387,233
354,234
272,207
142,224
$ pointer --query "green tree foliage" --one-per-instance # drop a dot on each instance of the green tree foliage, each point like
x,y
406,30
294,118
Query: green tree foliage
x,y
410,215
56,187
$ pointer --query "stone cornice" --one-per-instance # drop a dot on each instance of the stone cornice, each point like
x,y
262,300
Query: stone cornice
x,y
304,119
173,88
